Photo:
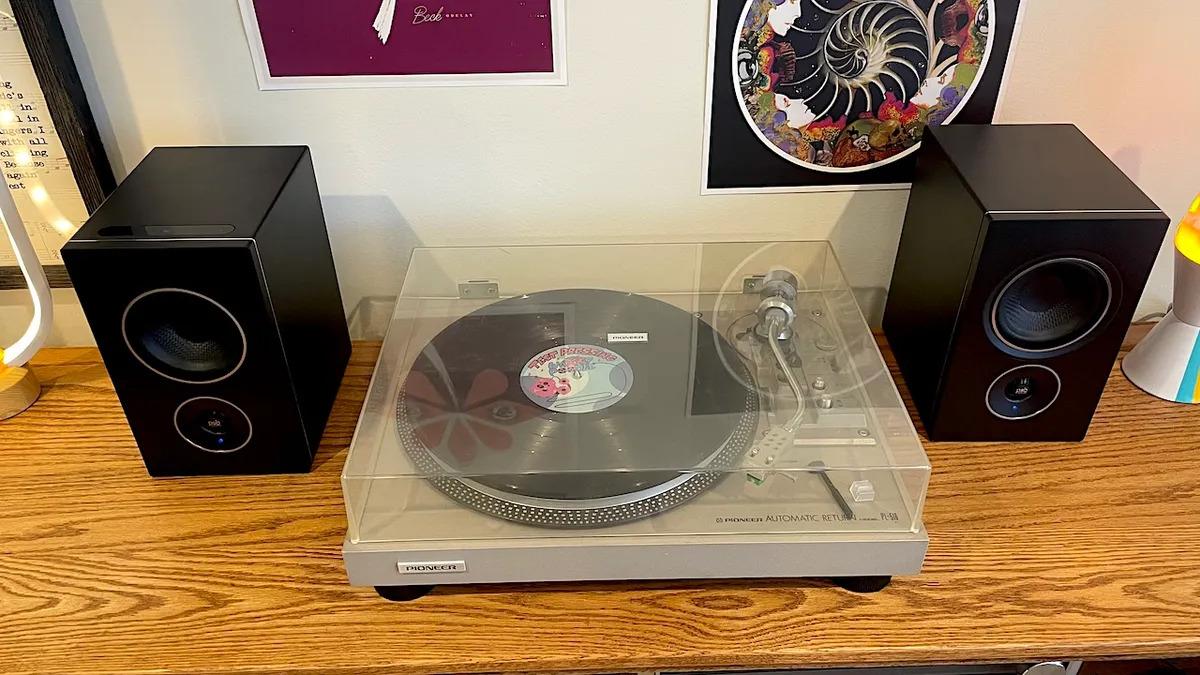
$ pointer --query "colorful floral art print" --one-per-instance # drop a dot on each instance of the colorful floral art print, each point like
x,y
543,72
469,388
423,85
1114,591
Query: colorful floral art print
x,y
838,92
841,85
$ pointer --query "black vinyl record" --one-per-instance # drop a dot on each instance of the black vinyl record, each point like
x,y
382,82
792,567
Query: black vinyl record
x,y
576,408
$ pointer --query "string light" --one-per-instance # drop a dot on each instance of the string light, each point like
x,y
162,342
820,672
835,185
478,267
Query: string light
x,y
37,192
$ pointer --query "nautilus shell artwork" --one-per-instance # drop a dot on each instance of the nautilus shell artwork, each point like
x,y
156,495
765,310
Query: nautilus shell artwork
x,y
849,85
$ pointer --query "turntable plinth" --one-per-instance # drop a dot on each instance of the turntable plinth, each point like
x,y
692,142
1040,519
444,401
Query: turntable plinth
x,y
1038,551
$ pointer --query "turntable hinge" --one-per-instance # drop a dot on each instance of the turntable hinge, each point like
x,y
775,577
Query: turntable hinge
x,y
753,283
478,288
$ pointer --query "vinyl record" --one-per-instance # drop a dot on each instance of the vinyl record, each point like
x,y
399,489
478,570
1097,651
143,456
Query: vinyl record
x,y
576,408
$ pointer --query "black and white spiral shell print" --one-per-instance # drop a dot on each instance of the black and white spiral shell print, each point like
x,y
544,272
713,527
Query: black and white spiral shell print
x,y
862,53
812,71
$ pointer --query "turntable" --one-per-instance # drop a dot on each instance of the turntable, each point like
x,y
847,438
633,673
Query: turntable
x,y
667,411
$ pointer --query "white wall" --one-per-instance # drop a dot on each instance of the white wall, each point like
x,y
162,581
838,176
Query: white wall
x,y
1125,73
615,155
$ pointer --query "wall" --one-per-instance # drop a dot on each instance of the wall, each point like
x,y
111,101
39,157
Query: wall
x,y
1124,73
615,156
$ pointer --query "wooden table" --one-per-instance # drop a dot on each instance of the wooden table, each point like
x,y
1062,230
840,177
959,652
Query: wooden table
x,y
1037,551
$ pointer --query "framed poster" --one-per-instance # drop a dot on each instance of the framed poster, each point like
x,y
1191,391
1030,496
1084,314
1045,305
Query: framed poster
x,y
50,149
821,95
302,44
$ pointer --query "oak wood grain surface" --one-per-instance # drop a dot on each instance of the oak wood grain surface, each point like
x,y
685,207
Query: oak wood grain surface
x,y
1037,551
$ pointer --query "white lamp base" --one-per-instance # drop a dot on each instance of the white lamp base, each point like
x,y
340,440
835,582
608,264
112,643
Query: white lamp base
x,y
1166,363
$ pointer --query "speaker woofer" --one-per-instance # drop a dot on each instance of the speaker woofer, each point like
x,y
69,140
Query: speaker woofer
x,y
184,336
1051,305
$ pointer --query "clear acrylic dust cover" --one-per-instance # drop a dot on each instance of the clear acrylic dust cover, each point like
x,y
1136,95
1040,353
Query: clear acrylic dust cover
x,y
661,389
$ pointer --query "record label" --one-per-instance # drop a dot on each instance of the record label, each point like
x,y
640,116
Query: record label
x,y
576,378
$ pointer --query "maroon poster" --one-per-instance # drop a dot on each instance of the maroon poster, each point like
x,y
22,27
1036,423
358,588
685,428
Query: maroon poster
x,y
318,43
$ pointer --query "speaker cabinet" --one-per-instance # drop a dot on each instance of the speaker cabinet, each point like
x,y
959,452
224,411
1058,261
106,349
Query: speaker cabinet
x,y
1023,256
210,288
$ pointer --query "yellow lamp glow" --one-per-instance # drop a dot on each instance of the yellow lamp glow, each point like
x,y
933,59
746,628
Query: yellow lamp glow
x,y
1187,239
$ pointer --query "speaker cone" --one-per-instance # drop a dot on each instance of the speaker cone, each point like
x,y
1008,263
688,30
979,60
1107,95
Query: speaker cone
x,y
184,336
1051,305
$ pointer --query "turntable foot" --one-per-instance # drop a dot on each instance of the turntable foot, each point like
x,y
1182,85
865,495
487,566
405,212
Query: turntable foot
x,y
402,593
862,584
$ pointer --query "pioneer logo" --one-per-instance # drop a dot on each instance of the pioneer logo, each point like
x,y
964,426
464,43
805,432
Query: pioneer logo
x,y
435,567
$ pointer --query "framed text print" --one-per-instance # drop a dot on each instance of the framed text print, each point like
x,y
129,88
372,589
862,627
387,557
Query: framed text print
x,y
50,150
299,44
835,94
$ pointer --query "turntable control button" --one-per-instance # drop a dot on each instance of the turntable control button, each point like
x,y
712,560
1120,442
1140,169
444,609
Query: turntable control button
x,y
862,491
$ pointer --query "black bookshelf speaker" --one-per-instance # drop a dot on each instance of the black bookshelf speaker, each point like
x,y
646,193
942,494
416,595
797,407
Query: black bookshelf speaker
x,y
1023,256
210,288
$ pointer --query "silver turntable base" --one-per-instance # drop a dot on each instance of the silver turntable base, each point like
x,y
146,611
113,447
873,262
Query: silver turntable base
x,y
627,558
